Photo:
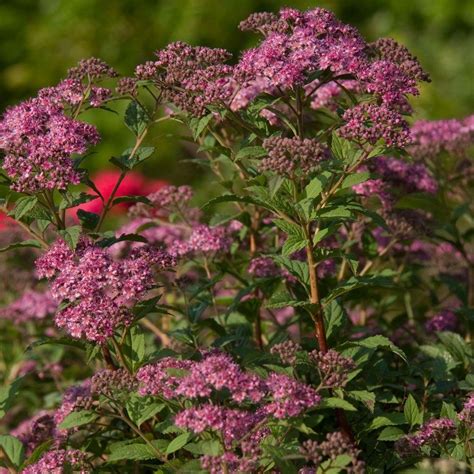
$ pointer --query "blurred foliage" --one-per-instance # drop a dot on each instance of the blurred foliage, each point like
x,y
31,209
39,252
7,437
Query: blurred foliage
x,y
40,39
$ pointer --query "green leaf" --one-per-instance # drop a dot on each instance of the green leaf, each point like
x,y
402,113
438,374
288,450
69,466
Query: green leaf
x,y
89,220
135,349
23,244
23,205
228,198
74,198
293,244
448,411
355,178
251,151
136,118
455,345
141,409
341,148
132,452
333,402
334,317
8,394
388,419
289,228
71,235
335,213
13,448
126,161
413,415
364,396
317,184
178,443
37,453
390,433
198,125
78,418
374,342
131,199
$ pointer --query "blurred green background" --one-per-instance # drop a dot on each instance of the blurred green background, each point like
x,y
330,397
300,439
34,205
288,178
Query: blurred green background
x,y
40,39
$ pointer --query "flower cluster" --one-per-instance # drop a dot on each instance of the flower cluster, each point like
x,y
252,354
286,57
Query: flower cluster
x,y
164,201
191,77
287,155
334,445
466,415
369,123
286,351
38,140
430,138
112,383
333,367
409,177
203,240
97,289
36,430
217,371
31,305
434,433
445,320
59,461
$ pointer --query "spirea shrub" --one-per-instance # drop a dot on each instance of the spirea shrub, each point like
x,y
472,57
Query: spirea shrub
x,y
314,316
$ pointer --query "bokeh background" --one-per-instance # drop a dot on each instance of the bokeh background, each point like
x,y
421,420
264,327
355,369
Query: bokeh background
x,y
40,39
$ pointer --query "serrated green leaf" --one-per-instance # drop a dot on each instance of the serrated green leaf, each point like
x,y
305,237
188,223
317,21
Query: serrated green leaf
x,y
23,205
354,179
89,220
411,411
141,409
390,433
71,235
375,342
292,244
333,402
178,443
78,418
136,118
251,151
364,396
23,244
132,452
388,419
317,184
13,448
8,394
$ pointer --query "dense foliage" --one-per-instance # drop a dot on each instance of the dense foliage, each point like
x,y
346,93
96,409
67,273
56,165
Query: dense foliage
x,y
315,316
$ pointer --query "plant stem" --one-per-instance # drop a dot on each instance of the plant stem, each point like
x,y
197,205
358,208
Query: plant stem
x,y
108,204
314,298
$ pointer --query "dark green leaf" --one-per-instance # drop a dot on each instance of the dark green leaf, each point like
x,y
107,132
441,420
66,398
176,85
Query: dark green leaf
x,y
136,117
78,418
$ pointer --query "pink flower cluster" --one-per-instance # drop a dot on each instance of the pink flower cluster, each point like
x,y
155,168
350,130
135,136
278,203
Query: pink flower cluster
x,y
286,155
36,430
97,289
203,240
31,305
430,138
433,433
466,415
369,123
38,140
411,177
217,371
190,77
59,461
445,320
